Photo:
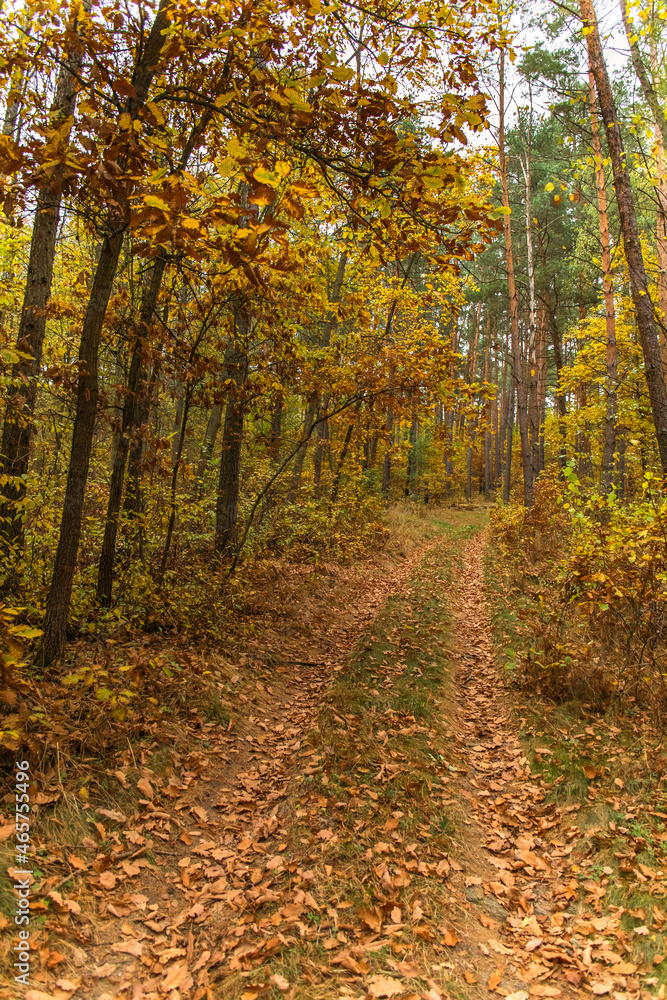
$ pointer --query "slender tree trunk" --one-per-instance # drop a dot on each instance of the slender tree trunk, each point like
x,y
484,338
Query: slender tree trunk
x,y
507,482
187,396
297,471
226,511
210,435
108,554
386,465
19,426
646,325
57,604
410,472
561,400
517,364
661,217
321,446
501,422
609,440
178,421
341,460
449,445
276,431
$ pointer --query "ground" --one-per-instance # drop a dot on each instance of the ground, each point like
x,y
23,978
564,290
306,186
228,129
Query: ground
x,y
374,809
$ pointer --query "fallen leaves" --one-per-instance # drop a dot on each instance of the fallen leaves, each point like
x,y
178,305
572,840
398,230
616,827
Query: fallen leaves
x,y
384,986
332,850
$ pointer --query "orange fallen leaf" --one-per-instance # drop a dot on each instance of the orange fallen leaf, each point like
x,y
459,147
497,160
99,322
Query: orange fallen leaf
x,y
450,937
384,986
494,979
108,880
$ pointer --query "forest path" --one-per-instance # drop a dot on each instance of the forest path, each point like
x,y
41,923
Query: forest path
x,y
370,828
531,876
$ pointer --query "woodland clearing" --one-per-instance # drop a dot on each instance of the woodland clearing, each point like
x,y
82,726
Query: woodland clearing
x,y
381,814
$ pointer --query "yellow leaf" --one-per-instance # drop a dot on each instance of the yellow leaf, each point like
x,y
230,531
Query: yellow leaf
x,y
153,201
156,111
125,122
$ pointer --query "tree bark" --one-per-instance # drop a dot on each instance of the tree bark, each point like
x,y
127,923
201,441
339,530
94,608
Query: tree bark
x,y
386,465
226,511
187,397
276,429
646,325
507,481
19,426
107,557
343,455
517,364
57,605
210,435
58,601
297,471
609,437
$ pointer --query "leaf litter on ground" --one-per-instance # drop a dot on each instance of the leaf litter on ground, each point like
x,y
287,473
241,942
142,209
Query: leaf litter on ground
x,y
369,826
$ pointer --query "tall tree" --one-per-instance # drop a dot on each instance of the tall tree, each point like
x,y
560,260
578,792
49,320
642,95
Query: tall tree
x,y
19,425
517,360
646,325
58,601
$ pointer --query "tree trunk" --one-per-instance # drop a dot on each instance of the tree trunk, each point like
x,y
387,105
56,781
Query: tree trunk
x,y
410,472
178,421
19,424
517,364
507,482
57,604
386,465
276,430
321,446
609,438
501,416
648,334
226,511
187,396
208,444
341,460
299,458
108,554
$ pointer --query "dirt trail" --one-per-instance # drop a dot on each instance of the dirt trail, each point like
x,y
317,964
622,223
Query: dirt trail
x,y
215,877
173,894
541,927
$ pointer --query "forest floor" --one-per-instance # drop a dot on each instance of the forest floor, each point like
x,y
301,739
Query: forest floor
x,y
380,815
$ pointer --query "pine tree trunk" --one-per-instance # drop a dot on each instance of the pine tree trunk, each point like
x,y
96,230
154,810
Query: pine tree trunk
x,y
648,334
609,441
517,363
507,482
